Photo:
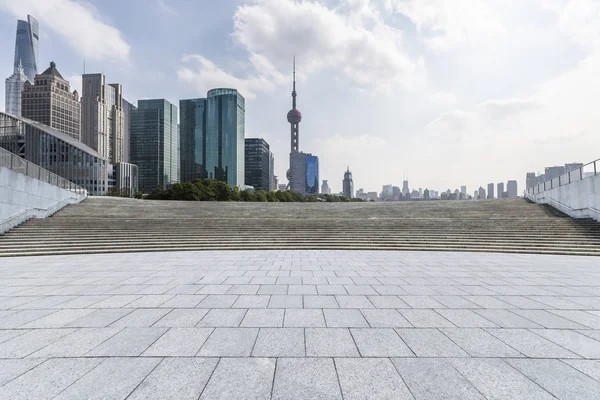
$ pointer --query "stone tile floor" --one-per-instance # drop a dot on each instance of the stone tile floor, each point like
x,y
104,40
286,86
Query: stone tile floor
x,y
300,325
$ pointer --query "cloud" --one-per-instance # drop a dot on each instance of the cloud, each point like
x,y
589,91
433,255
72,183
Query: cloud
x,y
446,24
578,19
75,82
494,110
352,40
204,74
77,23
443,98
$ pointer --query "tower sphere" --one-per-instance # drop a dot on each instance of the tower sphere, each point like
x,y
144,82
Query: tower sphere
x,y
294,116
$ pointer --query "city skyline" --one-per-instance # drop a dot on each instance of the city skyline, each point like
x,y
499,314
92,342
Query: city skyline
x,y
521,111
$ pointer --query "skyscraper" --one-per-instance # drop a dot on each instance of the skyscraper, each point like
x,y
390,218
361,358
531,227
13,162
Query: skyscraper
x,y
463,192
490,191
127,109
154,143
348,184
325,188
511,188
303,175
405,189
26,46
258,164
25,63
500,188
481,193
102,117
212,135
14,87
50,101
192,134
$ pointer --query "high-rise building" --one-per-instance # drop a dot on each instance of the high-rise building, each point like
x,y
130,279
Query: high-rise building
x,y
303,175
258,164
511,188
348,184
530,180
426,194
154,143
481,194
282,187
26,46
573,166
14,87
272,177
490,191
325,189
50,101
405,189
102,117
500,187
192,136
127,109
212,137
463,191
25,64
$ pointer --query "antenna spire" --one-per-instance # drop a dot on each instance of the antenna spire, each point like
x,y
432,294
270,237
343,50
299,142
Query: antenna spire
x,y
294,88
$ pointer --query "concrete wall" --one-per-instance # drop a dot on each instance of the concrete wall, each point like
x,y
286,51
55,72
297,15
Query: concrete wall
x,y
580,199
19,192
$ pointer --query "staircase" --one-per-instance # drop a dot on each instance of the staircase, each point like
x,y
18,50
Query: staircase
x,y
110,225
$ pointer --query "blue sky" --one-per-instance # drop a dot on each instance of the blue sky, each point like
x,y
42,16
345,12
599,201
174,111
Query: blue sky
x,y
448,92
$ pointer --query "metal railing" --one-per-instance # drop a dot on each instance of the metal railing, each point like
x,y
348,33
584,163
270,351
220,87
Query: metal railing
x,y
588,170
20,165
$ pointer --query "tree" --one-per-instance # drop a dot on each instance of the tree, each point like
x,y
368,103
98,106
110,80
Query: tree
x,y
260,195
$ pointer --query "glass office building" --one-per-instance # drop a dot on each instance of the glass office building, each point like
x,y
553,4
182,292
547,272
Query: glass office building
x,y
57,152
212,137
154,142
304,173
192,136
258,164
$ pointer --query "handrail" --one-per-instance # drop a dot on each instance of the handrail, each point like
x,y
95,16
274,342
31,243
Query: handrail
x,y
589,169
565,208
15,163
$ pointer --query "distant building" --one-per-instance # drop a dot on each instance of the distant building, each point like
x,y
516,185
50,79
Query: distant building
x,y
24,65
387,193
463,191
272,177
414,194
258,164
212,137
511,188
154,143
554,172
405,189
426,194
304,173
372,196
282,187
530,181
348,184
490,191
102,117
127,109
481,194
500,187
325,189
50,101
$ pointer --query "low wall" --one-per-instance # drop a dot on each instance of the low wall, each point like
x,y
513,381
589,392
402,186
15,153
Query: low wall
x,y
20,193
579,199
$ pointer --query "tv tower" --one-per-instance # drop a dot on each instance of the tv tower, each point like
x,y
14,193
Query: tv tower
x,y
294,117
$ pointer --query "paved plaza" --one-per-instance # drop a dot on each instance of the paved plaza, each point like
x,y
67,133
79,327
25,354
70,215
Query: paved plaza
x,y
300,325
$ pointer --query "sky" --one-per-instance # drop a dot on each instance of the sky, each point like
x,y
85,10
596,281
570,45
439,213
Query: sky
x,y
443,92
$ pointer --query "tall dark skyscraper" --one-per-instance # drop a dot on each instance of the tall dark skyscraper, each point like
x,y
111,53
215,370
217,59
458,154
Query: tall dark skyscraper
x,y
258,164
154,143
348,184
303,175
